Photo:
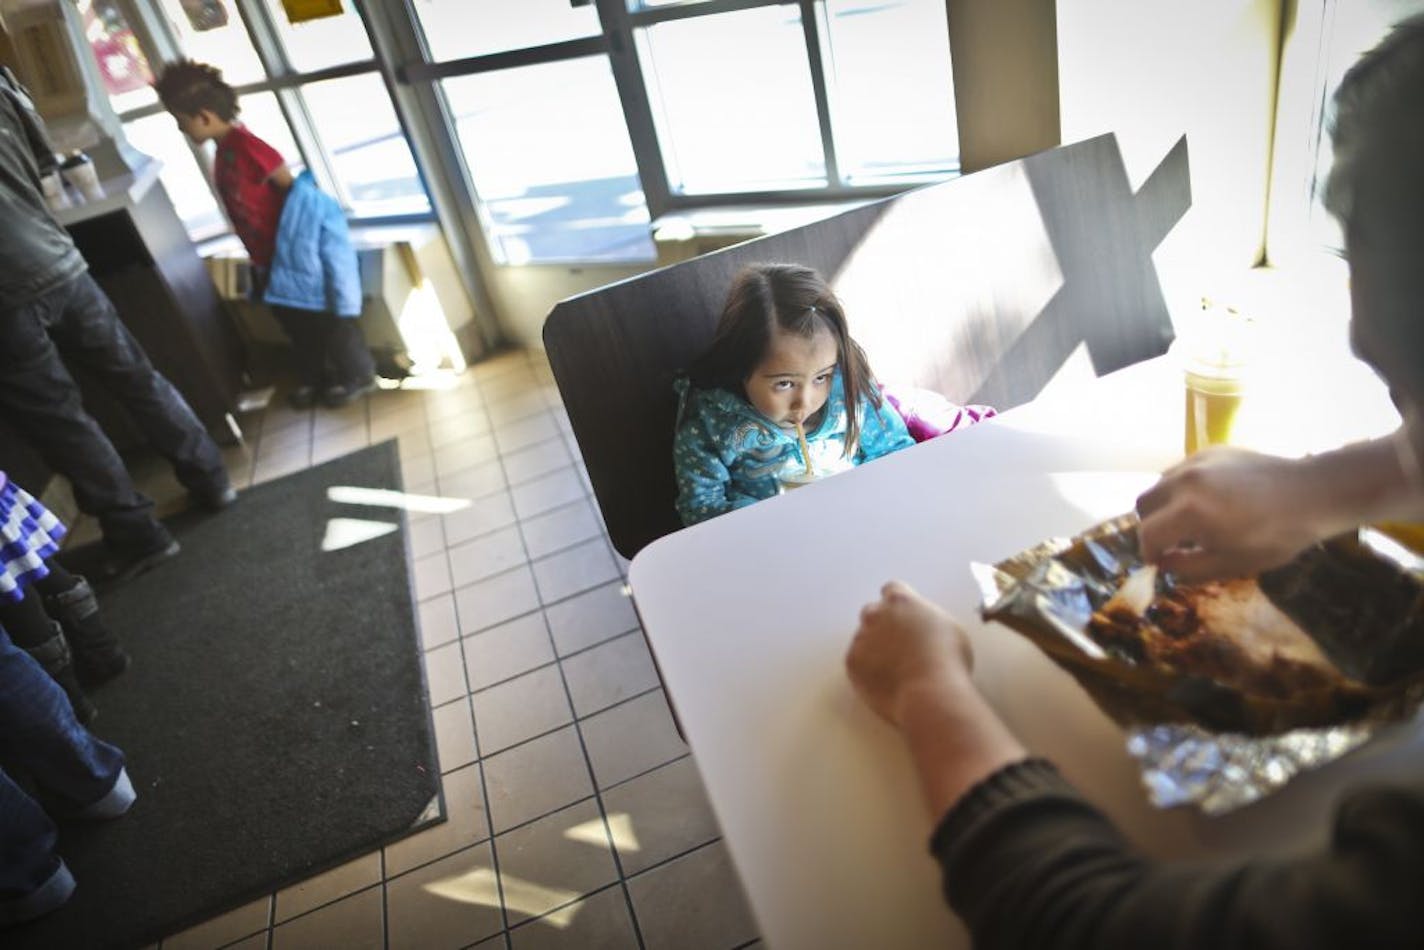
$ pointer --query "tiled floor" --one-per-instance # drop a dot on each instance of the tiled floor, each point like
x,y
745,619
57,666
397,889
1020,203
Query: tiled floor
x,y
576,816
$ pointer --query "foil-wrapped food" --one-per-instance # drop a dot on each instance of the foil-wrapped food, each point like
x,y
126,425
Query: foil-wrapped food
x,y
1230,688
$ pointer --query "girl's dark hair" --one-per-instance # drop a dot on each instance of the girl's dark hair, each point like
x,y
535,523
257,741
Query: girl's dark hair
x,y
187,88
797,301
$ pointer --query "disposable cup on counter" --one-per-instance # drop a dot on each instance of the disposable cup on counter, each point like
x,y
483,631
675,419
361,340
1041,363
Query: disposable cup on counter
x,y
54,193
78,169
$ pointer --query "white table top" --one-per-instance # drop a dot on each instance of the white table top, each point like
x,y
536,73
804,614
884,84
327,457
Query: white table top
x,y
749,616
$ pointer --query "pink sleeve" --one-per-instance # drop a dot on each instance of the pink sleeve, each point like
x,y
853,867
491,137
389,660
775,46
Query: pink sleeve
x,y
928,414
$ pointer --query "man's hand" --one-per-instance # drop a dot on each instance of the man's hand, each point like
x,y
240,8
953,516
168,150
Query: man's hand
x,y
905,648
1228,512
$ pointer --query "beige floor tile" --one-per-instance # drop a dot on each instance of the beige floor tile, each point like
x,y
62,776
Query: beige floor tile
x,y
600,614
631,738
610,673
431,576
416,470
664,812
547,492
479,480
464,454
553,861
328,886
451,903
496,599
224,929
598,922
427,537
454,404
520,709
482,515
266,470
535,460
535,778
507,650
254,942
465,824
438,623
523,433
278,441
352,923
693,903
487,555
573,571
455,735
560,528
445,674
459,426
402,422
528,401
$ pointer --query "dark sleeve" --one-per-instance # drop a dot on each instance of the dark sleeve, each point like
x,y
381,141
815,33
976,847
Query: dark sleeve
x,y
30,123
1030,865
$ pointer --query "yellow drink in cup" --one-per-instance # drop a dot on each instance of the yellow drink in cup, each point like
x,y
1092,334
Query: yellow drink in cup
x,y
1213,357
1212,404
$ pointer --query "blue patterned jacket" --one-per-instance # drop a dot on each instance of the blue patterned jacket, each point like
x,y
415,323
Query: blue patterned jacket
x,y
727,455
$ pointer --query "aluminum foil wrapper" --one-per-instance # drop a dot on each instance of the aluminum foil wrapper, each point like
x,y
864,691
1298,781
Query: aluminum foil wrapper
x,y
1184,764
1048,593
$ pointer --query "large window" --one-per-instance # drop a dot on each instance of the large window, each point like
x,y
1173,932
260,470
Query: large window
x,y
562,129
579,123
315,96
564,187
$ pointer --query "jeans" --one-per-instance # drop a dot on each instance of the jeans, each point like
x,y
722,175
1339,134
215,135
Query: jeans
x,y
39,734
328,350
77,322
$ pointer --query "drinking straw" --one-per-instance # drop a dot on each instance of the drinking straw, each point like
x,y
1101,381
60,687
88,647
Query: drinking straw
x,y
805,448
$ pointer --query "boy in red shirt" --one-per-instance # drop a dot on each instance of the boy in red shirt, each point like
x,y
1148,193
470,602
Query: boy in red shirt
x,y
253,180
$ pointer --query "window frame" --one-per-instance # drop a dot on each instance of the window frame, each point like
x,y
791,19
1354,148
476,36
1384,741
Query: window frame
x,y
618,44
401,56
161,45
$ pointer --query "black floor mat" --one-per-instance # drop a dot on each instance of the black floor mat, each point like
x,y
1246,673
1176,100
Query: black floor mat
x,y
275,717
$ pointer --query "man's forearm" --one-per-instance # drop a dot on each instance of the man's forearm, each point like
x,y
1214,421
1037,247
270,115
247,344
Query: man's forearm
x,y
1361,483
956,739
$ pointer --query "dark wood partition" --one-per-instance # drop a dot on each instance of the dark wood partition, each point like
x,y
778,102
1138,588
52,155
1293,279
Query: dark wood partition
x,y
979,288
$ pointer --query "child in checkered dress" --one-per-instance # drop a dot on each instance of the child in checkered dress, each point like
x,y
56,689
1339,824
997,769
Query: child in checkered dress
x,y
43,609
47,611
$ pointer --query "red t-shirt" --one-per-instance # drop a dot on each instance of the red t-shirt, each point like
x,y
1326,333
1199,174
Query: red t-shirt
x,y
242,169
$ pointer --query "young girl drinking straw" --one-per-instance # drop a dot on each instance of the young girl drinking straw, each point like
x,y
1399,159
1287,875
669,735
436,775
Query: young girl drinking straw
x,y
782,392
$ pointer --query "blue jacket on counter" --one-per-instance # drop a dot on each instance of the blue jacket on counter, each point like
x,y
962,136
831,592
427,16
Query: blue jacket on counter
x,y
314,266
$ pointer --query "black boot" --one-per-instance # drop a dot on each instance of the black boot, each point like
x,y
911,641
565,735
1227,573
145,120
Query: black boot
x,y
98,657
53,654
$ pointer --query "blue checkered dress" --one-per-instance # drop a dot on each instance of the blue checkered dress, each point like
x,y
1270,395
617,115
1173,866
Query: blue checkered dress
x,y
29,536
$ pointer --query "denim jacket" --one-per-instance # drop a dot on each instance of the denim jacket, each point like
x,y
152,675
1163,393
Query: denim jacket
x,y
727,455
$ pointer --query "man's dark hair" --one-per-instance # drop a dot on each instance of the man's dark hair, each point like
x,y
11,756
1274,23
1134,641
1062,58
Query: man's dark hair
x,y
187,88
1376,189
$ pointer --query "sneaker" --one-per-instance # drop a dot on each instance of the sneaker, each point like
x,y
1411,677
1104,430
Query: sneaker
x,y
115,803
213,497
337,396
48,897
303,397
124,566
